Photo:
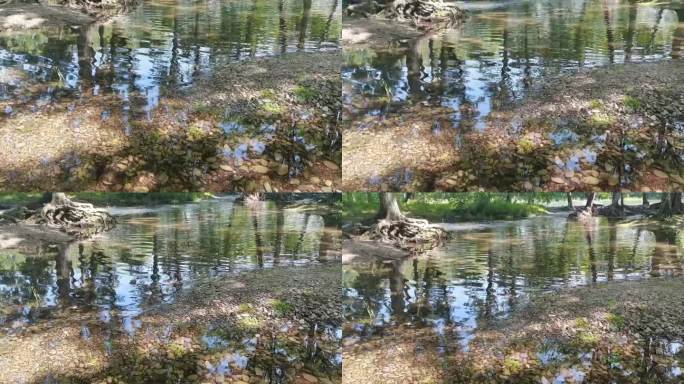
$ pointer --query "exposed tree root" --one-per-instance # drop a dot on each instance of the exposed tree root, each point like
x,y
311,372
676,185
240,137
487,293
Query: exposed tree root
x,y
79,220
424,14
413,235
584,213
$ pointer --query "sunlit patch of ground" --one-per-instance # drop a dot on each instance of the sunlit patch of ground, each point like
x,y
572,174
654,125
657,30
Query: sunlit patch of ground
x,y
626,331
395,152
280,324
268,124
401,355
27,16
599,129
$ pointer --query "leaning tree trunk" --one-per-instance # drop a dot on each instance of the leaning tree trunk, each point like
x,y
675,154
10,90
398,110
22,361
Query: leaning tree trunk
x,y
394,227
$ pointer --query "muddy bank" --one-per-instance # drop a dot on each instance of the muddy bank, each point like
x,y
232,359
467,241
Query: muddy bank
x,y
279,324
616,332
267,124
597,129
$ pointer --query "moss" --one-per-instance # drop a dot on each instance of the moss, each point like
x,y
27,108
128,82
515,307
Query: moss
x,y
250,323
595,104
616,321
581,323
525,146
602,121
631,103
585,340
282,307
304,93
272,107
512,365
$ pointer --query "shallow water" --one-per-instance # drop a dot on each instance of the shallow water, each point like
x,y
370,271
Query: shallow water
x,y
151,256
500,52
102,286
486,273
156,48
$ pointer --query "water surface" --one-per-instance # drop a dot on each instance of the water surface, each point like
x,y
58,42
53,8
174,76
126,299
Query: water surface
x,y
157,48
152,256
486,273
493,60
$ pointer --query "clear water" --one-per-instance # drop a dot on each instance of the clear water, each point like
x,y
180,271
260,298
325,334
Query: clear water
x,y
485,272
150,257
156,48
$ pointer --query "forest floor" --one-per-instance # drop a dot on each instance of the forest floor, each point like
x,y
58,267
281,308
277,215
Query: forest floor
x,y
238,329
269,124
627,332
597,129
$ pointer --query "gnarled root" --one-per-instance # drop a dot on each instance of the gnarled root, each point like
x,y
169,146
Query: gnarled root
x,y
425,14
585,213
75,219
413,235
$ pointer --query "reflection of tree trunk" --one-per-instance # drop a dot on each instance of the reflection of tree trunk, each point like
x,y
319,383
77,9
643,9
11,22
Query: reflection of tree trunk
x,y
678,36
568,195
654,32
197,43
592,255
490,300
258,243
328,22
644,200
62,273
609,32
629,38
612,249
282,26
175,46
665,257
396,285
304,24
302,235
280,223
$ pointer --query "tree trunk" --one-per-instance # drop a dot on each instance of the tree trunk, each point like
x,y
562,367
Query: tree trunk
x,y
644,200
670,204
590,200
389,207
569,197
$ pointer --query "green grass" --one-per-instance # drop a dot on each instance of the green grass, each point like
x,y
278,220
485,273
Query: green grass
x,y
595,104
19,198
446,210
631,103
304,93
282,307
130,199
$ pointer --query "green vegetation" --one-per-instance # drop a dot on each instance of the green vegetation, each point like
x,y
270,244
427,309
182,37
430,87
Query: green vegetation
x,y
632,103
448,207
111,198
304,93
281,307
